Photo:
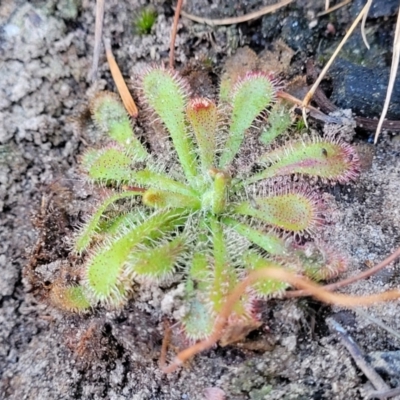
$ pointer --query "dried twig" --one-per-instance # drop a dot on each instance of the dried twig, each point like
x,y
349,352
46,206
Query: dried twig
x,y
345,282
237,20
123,90
392,77
281,275
358,357
97,39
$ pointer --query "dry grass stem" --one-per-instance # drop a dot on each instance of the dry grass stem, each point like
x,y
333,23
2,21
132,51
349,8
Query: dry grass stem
x,y
355,352
281,275
237,20
333,8
119,81
392,77
310,94
97,39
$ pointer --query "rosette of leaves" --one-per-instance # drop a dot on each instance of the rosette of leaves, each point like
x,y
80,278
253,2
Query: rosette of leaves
x,y
193,217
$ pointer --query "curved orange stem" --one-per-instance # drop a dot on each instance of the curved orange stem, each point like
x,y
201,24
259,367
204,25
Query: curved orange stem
x,y
281,275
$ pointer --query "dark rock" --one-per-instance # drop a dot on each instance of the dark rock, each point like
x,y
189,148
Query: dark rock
x,y
363,89
270,24
379,8
297,35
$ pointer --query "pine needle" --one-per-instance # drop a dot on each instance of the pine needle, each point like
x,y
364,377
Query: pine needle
x,y
237,20
119,81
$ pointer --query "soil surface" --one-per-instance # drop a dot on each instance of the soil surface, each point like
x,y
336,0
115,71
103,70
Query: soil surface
x,y
46,52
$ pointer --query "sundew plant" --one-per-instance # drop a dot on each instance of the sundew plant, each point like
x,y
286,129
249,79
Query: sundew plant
x,y
192,215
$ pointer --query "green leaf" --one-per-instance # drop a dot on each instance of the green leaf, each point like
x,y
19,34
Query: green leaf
x,y
330,160
224,276
110,116
91,228
199,268
202,115
292,211
253,94
264,287
278,121
198,322
109,165
156,263
166,95
119,221
147,178
105,270
268,241
219,193
163,199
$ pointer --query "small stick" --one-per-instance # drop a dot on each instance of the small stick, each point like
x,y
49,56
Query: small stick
x,y
355,352
279,274
119,81
97,39
237,20
366,274
173,33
